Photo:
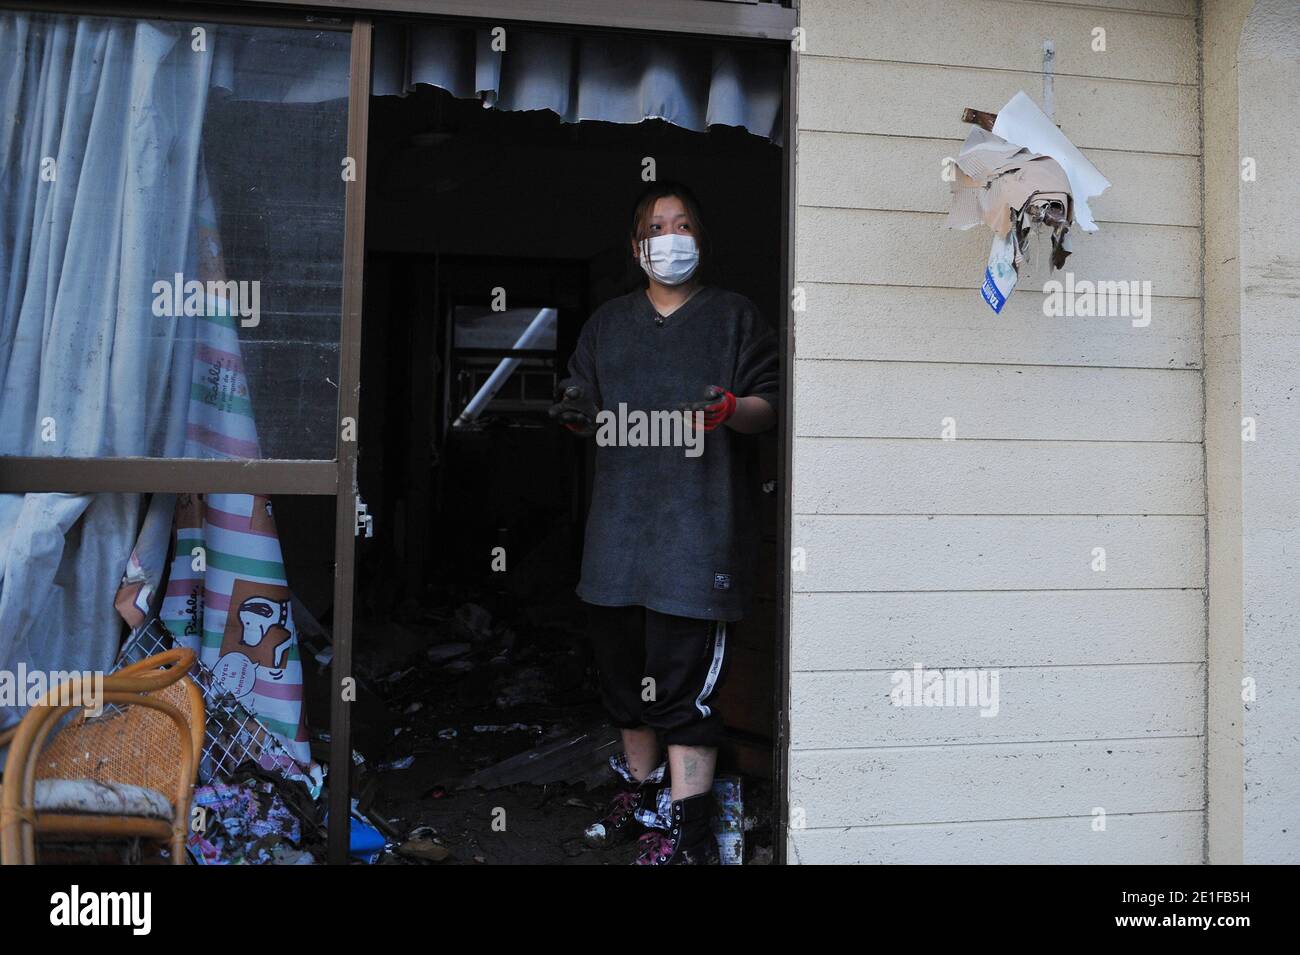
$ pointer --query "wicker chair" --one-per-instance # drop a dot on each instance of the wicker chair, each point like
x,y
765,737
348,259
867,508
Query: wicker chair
x,y
140,758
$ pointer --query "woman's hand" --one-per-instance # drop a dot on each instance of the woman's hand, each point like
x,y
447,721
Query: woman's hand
x,y
748,415
575,410
713,409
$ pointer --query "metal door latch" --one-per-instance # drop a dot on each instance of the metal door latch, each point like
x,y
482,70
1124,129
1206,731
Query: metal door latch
x,y
365,522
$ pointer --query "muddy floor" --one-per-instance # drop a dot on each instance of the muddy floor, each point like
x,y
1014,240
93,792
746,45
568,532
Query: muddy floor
x,y
456,699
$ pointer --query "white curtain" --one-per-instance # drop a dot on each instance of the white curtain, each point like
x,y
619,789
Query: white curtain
x,y
100,128
614,78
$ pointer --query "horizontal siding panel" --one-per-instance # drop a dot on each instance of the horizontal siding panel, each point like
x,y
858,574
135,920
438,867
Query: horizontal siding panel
x,y
934,784
1182,8
1027,705
997,553
1073,433
911,400
913,248
962,33
871,631
1162,838
900,99
899,476
848,170
892,323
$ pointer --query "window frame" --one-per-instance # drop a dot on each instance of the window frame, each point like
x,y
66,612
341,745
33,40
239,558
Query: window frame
x,y
336,476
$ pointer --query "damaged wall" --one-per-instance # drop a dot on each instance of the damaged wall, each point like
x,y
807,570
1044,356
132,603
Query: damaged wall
x,y
1072,434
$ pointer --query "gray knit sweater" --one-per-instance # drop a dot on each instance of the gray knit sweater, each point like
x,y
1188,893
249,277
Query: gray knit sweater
x,y
672,528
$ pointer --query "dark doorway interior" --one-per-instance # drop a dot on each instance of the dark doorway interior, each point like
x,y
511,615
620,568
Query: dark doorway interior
x,y
463,665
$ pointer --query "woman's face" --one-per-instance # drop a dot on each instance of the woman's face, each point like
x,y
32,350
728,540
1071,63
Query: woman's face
x,y
668,216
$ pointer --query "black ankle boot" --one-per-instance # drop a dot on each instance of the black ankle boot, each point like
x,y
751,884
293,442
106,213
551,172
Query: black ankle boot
x,y
620,824
688,841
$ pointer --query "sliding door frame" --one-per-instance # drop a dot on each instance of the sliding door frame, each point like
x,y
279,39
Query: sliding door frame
x,y
335,477
347,497
785,466
24,474
733,19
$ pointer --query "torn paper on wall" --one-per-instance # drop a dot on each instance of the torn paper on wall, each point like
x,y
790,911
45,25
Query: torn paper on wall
x,y
1020,180
1021,121
1000,276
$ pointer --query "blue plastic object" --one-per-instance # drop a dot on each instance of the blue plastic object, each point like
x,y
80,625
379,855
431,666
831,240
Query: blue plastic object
x,y
365,842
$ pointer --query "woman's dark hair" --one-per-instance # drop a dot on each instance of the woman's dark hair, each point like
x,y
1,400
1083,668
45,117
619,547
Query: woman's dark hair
x,y
645,206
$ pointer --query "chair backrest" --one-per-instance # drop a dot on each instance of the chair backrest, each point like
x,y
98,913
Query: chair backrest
x,y
132,744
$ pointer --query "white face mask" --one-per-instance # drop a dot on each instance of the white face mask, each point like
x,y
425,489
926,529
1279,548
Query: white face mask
x,y
670,259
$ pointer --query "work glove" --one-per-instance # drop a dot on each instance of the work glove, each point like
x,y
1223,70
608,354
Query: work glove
x,y
718,405
574,409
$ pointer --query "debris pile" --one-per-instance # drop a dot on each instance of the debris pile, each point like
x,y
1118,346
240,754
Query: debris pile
x,y
468,716
1018,174
255,818
485,740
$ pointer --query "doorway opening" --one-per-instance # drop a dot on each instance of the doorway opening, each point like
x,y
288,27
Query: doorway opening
x,y
478,720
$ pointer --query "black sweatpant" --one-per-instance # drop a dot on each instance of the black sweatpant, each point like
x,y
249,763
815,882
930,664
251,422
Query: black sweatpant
x,y
660,671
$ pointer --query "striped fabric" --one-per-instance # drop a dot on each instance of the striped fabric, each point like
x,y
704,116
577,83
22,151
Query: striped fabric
x,y
228,598
228,595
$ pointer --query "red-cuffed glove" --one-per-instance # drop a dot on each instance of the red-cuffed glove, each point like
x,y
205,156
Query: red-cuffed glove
x,y
575,410
718,405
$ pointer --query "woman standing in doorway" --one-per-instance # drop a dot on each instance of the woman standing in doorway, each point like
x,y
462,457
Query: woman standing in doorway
x,y
671,528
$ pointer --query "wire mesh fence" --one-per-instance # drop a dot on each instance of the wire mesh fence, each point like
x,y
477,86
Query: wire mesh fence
x,y
232,735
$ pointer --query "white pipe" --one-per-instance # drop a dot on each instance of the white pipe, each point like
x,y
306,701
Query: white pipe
x,y
539,325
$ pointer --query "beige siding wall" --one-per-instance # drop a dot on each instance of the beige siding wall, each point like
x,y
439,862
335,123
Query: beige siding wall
x,y
1073,434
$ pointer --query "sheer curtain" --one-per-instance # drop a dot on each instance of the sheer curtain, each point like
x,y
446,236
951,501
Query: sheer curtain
x,y
102,145
100,132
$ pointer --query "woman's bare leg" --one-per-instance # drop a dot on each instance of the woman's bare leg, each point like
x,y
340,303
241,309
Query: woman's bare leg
x,y
641,745
692,769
